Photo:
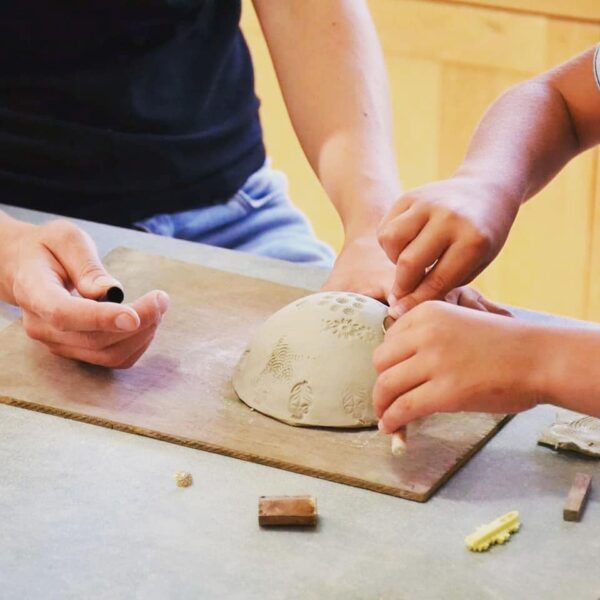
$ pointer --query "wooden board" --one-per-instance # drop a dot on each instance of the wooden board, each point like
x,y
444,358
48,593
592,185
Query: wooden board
x,y
180,391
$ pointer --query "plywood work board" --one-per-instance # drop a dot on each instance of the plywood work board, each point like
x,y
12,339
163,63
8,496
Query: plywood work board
x,y
180,391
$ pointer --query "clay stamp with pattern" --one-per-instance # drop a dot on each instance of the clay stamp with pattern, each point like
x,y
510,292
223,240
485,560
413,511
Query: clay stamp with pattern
x,y
573,431
496,532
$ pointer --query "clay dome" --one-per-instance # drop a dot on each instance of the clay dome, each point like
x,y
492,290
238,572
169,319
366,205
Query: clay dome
x,y
310,363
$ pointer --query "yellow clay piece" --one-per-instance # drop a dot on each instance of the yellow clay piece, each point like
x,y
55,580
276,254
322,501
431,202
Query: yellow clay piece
x,y
496,532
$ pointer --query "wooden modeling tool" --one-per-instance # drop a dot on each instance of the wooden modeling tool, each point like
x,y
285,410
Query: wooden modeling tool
x,y
577,498
399,437
287,510
399,442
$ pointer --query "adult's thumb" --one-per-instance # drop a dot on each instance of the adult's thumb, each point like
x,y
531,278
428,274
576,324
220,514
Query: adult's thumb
x,y
77,253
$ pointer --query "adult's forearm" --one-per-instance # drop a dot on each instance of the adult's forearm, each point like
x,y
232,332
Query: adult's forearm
x,y
330,68
10,229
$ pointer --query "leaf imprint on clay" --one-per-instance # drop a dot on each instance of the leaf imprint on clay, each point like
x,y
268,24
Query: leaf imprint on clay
x,y
355,403
300,399
349,329
586,424
280,361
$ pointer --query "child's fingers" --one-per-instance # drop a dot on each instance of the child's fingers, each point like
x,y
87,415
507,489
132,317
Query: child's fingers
x,y
414,404
399,232
494,308
421,253
452,269
402,205
471,298
466,297
397,381
393,351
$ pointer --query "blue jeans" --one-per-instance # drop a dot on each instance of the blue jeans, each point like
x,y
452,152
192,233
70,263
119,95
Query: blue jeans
x,y
259,219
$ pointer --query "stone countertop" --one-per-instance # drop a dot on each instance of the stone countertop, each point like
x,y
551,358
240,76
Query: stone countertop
x,y
95,513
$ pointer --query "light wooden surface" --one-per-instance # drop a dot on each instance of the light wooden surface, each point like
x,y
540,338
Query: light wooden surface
x,y
447,62
181,391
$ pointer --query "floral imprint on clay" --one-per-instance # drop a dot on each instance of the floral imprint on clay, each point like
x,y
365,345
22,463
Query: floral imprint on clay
x,y
280,362
347,328
300,399
355,401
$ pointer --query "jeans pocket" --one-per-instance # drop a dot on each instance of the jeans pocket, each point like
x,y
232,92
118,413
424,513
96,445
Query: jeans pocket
x,y
266,186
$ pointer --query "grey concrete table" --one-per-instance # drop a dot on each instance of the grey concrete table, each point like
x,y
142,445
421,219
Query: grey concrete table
x,y
87,512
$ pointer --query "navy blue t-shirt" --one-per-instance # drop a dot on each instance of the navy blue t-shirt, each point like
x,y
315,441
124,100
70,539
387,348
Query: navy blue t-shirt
x,y
117,110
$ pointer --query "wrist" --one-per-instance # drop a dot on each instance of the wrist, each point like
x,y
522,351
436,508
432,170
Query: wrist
x,y
11,232
571,380
502,191
363,215
537,360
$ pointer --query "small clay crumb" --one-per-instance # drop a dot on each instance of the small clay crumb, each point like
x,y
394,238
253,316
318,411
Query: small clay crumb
x,y
183,479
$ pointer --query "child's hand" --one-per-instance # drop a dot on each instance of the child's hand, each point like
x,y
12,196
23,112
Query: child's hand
x,y
461,223
445,358
471,298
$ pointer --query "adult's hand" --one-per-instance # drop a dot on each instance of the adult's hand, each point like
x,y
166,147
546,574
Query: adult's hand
x,y
54,274
362,267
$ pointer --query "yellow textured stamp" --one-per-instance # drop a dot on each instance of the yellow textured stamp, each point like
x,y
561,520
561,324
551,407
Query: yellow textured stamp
x,y
496,532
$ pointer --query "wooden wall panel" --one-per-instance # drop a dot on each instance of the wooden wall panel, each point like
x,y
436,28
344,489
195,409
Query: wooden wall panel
x,y
593,295
460,34
447,62
587,10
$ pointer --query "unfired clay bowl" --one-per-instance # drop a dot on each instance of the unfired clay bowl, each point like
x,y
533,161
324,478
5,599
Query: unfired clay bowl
x,y
311,362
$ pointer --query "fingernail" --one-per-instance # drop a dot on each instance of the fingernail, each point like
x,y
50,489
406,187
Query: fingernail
x,y
393,312
381,426
391,299
104,281
163,301
125,322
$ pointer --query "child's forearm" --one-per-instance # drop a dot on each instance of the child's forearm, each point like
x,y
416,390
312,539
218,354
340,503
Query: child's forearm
x,y
523,141
570,368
